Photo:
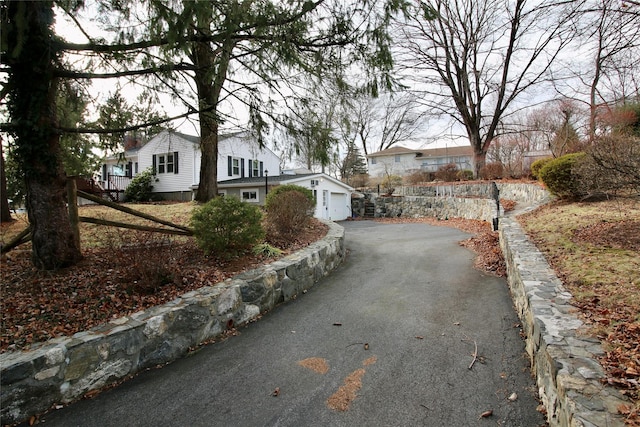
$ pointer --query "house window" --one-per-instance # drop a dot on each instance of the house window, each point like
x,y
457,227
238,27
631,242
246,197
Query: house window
x,y
397,158
373,161
236,167
255,168
166,162
249,195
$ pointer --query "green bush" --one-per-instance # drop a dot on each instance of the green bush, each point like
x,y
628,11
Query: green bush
x,y
537,165
559,177
228,226
289,211
141,186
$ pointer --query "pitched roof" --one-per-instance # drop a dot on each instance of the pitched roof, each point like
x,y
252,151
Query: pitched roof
x,y
271,180
276,180
446,151
393,150
429,152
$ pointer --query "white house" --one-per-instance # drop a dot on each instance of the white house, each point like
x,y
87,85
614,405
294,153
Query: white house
x,y
333,197
176,160
405,161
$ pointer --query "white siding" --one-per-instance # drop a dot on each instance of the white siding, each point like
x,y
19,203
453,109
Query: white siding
x,y
167,142
333,198
190,158
389,165
246,149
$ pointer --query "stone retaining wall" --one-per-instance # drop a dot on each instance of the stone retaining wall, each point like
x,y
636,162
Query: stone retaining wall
x,y
563,356
522,192
64,369
439,207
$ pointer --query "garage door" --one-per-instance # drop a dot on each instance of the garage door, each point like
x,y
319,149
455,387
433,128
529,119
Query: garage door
x,y
338,208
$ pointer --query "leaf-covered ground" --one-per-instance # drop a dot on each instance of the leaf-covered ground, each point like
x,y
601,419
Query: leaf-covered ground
x,y
595,249
122,272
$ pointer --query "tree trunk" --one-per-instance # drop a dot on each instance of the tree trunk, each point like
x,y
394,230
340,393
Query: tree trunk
x,y
209,76
208,186
5,211
479,161
32,107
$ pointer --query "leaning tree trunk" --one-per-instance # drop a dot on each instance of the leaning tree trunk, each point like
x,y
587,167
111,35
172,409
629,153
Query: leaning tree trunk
x,y
32,91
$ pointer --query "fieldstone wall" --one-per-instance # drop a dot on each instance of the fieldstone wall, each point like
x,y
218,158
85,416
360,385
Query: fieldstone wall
x,y
563,357
439,207
64,369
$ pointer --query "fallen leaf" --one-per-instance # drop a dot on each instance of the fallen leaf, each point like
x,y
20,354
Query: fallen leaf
x,y
419,337
513,397
366,346
276,392
337,324
486,414
457,323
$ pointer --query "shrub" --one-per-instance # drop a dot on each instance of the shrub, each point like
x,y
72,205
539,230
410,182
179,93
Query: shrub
x,y
360,180
266,250
538,165
612,165
419,177
559,177
273,194
289,210
493,170
465,175
144,259
447,173
390,182
141,186
227,225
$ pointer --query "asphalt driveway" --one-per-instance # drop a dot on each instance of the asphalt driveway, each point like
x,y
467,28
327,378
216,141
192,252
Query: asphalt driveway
x,y
388,339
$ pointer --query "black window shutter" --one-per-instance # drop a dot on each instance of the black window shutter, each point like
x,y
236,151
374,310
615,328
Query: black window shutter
x,y
250,174
175,162
242,168
104,172
154,163
229,166
261,169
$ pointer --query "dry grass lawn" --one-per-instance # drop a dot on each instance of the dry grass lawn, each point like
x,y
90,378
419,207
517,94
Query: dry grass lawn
x,y
595,249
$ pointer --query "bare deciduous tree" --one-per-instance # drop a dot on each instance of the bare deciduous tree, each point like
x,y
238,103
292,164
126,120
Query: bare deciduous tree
x,y
473,61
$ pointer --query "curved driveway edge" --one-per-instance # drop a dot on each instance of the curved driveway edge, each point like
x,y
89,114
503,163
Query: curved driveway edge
x,y
65,369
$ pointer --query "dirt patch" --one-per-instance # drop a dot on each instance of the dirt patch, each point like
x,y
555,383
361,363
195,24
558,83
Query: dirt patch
x,y
316,364
370,361
341,399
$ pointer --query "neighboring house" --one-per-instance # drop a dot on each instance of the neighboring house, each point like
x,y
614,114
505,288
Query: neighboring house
x,y
405,161
333,197
117,171
176,158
